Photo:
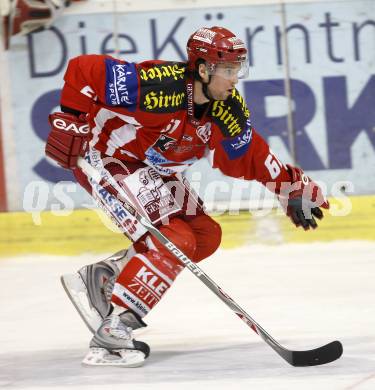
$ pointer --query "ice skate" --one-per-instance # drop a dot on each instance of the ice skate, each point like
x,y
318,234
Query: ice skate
x,y
113,343
91,287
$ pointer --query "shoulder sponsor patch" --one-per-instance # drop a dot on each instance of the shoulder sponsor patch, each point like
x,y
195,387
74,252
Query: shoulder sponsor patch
x,y
121,87
237,146
230,115
166,71
163,87
163,97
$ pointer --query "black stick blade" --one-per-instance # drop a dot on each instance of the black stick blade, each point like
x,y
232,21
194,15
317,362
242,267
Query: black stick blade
x,y
323,355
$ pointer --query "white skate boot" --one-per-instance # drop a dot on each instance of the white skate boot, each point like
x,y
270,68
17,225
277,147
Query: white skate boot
x,y
90,288
113,343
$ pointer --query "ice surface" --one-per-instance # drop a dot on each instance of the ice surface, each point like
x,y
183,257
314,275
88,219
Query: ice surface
x,y
303,295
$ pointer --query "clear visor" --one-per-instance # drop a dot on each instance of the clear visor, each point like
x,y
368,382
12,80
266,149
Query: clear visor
x,y
229,70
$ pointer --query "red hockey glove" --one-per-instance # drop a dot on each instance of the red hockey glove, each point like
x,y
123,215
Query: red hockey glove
x,y
68,139
302,199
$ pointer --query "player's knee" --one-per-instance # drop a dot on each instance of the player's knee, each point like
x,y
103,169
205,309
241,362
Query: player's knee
x,y
215,236
180,233
208,235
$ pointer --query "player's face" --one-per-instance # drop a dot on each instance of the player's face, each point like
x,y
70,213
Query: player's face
x,y
223,81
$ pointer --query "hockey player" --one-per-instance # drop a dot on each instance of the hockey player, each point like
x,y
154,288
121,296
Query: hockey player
x,y
141,125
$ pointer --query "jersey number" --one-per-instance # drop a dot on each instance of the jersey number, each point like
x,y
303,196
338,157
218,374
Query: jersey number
x,y
273,165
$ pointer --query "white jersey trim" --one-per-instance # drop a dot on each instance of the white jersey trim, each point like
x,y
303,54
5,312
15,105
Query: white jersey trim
x,y
209,154
120,137
102,116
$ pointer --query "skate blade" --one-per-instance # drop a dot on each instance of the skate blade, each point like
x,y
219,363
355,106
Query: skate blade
x,y
77,293
124,358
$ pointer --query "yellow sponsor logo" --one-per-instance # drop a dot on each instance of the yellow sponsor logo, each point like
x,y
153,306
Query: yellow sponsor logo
x,y
241,100
154,100
223,113
161,72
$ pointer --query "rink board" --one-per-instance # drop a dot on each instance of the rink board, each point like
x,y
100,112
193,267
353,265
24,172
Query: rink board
x,y
331,74
89,231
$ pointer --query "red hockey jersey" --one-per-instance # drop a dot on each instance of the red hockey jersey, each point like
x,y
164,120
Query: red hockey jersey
x,y
145,112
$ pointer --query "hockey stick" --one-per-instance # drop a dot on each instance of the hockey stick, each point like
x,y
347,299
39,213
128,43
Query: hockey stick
x,y
322,355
